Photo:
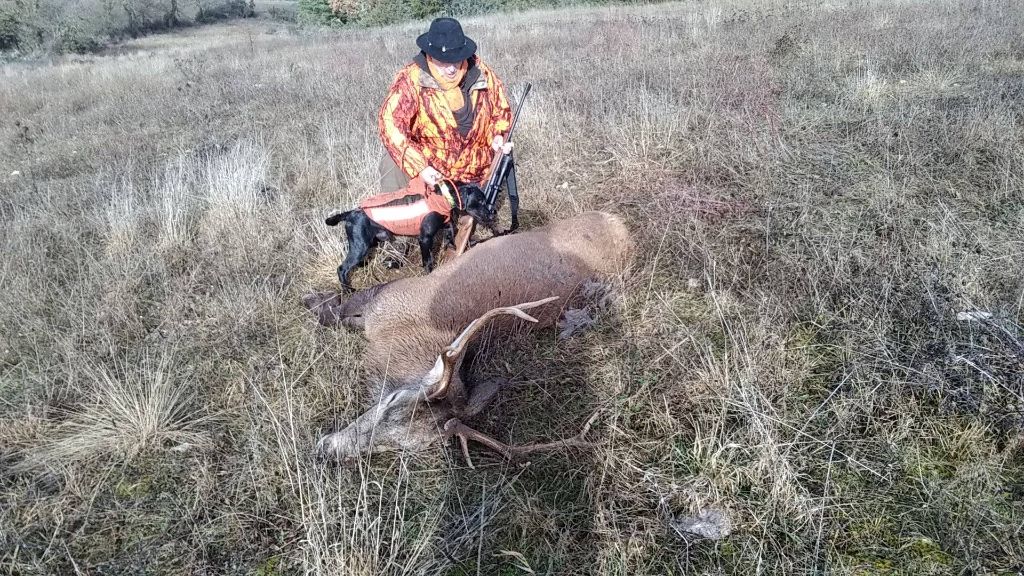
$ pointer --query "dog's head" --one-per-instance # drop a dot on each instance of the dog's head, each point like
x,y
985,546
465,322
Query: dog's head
x,y
474,203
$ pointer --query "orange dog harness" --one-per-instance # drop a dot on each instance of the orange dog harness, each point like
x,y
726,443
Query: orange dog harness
x,y
402,212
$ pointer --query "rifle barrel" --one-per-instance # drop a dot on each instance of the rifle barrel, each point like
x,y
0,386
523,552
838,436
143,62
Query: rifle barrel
x,y
519,109
492,182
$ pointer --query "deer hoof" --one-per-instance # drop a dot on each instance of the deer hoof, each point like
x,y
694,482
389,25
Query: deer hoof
x,y
330,449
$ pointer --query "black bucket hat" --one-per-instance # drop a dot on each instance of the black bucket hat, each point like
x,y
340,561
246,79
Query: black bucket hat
x,y
444,41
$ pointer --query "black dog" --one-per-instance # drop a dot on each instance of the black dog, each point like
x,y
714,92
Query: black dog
x,y
363,233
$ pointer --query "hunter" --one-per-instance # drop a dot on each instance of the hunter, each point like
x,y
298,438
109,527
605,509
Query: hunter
x,y
445,114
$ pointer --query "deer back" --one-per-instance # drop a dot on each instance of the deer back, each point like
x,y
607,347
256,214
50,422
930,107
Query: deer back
x,y
408,321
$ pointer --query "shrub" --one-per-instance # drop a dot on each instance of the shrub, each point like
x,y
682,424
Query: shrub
x,y
78,40
9,29
383,12
284,13
226,10
426,8
319,13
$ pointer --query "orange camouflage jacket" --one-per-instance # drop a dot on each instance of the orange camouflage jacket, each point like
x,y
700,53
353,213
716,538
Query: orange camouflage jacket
x,y
419,129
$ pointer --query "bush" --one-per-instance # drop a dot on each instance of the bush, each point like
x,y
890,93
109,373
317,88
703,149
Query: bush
x,y
383,12
9,30
284,12
77,40
319,13
426,8
226,10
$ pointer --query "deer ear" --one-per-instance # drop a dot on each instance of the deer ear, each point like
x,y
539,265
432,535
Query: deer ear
x,y
482,394
434,383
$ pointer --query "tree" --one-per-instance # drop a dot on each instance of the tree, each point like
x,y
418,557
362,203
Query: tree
x,y
171,18
132,12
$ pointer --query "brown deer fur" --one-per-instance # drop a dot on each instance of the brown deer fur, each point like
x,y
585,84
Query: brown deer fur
x,y
408,323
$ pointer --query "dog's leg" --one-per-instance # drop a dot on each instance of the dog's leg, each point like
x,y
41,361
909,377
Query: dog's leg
x,y
428,232
360,233
449,234
352,260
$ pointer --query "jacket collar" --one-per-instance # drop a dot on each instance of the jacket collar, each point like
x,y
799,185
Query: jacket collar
x,y
474,77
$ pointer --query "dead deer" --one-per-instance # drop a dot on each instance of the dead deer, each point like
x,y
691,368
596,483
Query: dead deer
x,y
419,329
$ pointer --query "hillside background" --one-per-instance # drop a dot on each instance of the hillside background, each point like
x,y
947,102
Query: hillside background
x,y
89,26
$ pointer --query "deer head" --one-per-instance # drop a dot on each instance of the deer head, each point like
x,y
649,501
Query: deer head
x,y
413,416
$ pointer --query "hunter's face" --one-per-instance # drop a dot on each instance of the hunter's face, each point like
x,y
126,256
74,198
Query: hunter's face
x,y
447,69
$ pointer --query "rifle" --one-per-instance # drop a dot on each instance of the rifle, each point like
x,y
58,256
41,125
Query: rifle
x,y
502,163
501,166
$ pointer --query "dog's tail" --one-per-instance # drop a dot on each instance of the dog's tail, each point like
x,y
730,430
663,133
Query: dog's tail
x,y
336,217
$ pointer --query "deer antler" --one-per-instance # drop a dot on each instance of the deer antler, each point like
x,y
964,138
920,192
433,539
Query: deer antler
x,y
455,427
448,361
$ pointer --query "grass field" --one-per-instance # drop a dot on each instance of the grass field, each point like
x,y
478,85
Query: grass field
x,y
821,337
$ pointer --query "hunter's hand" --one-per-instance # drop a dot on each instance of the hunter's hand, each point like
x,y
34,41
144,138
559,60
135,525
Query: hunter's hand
x,y
499,144
431,176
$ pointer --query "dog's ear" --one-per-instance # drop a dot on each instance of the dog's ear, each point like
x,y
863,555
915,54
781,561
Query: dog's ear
x,y
471,191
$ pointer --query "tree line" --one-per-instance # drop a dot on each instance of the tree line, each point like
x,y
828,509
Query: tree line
x,y
89,25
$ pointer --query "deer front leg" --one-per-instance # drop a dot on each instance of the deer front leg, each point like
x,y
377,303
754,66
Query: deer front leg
x,y
455,427
466,226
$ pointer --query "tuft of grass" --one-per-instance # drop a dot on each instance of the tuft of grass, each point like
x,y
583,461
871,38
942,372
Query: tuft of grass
x,y
123,415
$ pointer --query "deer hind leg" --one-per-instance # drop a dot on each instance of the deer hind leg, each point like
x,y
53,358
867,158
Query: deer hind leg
x,y
455,427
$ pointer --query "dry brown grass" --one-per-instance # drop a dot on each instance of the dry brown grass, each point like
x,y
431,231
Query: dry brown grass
x,y
819,190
